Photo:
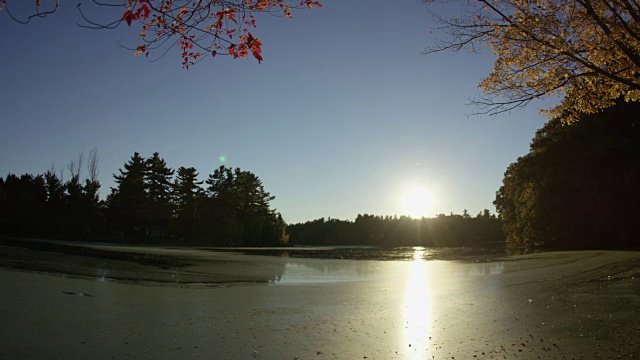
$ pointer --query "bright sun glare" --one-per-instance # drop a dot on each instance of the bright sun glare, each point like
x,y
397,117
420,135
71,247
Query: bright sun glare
x,y
418,202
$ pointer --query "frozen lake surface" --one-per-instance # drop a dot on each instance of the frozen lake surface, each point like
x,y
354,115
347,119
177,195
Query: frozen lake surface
x,y
109,302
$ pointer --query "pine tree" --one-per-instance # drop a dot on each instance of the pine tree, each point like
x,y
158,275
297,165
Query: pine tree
x,y
127,201
187,194
241,209
157,182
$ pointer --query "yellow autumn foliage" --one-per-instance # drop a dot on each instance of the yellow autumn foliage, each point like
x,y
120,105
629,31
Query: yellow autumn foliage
x,y
584,51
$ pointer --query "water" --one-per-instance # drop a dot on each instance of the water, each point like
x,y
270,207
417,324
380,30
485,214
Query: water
x,y
221,267
407,303
379,253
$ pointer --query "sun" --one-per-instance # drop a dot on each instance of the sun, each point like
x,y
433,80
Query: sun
x,y
417,202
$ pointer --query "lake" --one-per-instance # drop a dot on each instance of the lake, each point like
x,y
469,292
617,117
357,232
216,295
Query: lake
x,y
104,301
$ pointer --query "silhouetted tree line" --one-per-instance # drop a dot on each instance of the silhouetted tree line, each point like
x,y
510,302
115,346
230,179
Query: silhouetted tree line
x,y
148,205
579,185
46,205
444,230
577,188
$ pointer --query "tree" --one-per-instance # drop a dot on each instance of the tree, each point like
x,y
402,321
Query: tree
x,y
55,188
578,187
157,184
127,202
83,216
93,211
91,183
157,179
223,209
187,193
241,207
197,28
74,200
22,205
585,50
186,187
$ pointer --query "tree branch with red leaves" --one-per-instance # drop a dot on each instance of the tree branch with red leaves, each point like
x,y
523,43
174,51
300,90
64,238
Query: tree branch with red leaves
x,y
198,28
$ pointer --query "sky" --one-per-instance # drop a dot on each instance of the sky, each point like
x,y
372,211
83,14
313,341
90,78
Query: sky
x,y
342,117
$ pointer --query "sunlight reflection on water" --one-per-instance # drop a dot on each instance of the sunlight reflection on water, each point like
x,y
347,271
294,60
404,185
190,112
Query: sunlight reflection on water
x,y
417,306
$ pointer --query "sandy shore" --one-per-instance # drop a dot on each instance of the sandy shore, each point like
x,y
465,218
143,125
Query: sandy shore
x,y
583,305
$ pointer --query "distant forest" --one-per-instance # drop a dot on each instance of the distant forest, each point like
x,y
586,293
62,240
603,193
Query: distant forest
x,y
443,230
577,188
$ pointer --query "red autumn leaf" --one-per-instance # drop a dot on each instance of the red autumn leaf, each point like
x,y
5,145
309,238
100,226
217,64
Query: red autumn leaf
x,y
256,54
310,3
231,15
255,45
146,10
128,17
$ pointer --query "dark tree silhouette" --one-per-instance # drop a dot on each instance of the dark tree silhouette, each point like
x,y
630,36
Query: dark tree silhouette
x,y
240,204
444,230
127,201
22,204
578,187
158,187
149,205
187,194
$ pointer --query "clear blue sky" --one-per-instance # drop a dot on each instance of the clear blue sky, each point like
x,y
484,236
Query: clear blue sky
x,y
341,117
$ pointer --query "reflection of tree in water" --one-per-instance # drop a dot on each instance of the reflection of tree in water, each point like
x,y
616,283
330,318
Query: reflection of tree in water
x,y
204,268
487,268
243,270
271,271
136,266
332,266
405,253
342,253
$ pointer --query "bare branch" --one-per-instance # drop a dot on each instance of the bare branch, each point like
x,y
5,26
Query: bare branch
x,y
92,165
75,166
37,13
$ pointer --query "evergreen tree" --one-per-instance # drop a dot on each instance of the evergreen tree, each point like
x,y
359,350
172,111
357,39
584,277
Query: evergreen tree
x,y
56,205
224,207
127,202
241,207
157,183
91,184
187,194
55,188
74,214
23,201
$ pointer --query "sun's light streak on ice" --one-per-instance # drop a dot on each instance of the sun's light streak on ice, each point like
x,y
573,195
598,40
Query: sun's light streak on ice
x,y
418,303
